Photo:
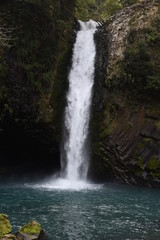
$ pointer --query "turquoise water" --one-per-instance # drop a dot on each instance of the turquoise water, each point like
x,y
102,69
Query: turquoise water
x,y
113,212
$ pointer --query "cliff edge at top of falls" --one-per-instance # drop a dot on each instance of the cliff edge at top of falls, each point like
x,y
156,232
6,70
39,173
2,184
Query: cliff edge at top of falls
x,y
126,102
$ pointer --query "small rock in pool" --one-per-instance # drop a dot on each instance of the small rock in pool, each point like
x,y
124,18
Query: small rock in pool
x,y
31,231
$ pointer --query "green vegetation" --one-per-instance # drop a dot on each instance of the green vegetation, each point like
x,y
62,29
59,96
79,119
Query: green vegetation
x,y
141,66
31,228
139,72
100,10
33,58
5,226
108,127
158,124
126,3
154,164
140,164
39,45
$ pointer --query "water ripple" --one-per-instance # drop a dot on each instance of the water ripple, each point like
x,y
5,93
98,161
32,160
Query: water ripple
x,y
92,213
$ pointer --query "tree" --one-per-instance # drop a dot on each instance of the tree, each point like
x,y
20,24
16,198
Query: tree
x,y
100,10
109,7
129,2
96,9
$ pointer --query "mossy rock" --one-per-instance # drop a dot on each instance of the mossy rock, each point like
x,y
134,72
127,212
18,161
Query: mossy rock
x,y
154,164
31,231
5,226
32,228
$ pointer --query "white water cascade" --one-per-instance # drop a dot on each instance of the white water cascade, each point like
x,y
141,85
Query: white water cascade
x,y
75,157
74,151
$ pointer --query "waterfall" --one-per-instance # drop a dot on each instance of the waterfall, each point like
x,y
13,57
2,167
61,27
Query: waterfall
x,y
75,155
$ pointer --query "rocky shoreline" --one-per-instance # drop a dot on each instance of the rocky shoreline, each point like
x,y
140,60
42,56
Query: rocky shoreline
x,y
30,231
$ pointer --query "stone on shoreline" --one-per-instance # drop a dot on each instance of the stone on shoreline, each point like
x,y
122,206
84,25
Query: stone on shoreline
x,y
31,231
5,226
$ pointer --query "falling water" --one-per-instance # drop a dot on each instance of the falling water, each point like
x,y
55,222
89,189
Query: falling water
x,y
75,157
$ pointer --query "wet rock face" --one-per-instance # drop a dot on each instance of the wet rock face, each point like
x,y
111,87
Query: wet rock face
x,y
134,148
125,126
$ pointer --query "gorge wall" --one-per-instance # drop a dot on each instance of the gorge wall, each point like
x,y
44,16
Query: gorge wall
x,y
35,57
126,116
34,60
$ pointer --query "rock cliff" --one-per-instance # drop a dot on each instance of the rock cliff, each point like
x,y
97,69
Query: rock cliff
x,y
34,62
33,69
126,116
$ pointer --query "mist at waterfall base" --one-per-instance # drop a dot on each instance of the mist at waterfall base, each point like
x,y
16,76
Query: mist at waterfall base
x,y
70,208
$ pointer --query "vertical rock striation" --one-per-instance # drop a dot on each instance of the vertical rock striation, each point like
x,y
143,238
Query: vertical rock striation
x,y
125,128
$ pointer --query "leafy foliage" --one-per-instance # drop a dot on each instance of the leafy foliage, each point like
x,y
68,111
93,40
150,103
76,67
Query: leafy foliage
x,y
100,10
41,31
142,58
129,2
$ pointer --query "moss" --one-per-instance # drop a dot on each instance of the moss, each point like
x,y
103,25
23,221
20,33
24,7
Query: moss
x,y
60,78
143,47
108,130
31,228
5,226
128,127
33,71
110,120
154,164
26,69
152,110
140,163
32,58
136,155
154,167
100,10
147,140
158,124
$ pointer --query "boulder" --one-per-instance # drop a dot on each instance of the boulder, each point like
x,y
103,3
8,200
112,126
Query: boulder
x,y
125,124
31,231
5,226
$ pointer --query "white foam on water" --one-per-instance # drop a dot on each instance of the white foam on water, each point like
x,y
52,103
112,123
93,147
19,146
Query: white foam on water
x,y
65,184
